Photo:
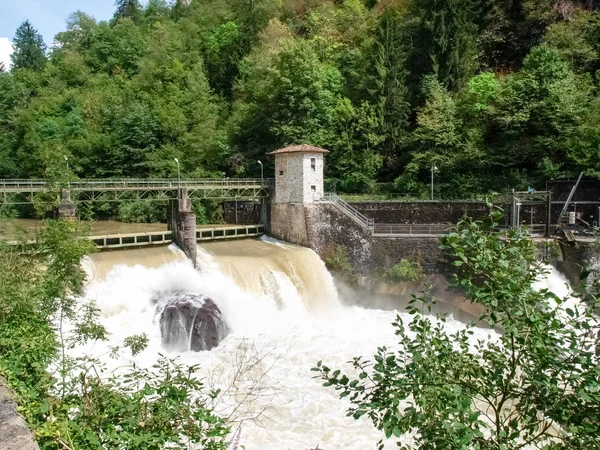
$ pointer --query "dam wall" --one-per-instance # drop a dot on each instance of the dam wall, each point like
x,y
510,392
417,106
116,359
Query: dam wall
x,y
328,229
288,222
14,433
421,212
579,256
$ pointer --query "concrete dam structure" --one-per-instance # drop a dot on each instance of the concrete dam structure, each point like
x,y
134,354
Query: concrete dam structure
x,y
254,315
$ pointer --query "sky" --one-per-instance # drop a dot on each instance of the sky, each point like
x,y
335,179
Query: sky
x,y
47,16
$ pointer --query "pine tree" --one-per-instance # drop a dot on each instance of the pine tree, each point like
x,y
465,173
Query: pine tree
x,y
2,67
29,48
448,35
387,81
127,9
179,9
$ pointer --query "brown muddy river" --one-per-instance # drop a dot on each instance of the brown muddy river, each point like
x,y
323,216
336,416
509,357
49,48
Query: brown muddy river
x,y
9,228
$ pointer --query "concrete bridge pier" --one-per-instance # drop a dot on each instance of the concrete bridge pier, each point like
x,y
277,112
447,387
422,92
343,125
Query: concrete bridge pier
x,y
66,207
263,212
182,222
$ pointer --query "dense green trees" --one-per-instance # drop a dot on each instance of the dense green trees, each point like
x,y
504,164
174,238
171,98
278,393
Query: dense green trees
x,y
496,94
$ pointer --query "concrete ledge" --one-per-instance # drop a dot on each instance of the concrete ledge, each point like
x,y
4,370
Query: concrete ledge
x,y
14,433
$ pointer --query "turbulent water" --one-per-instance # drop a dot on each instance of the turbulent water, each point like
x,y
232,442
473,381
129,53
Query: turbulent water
x,y
284,315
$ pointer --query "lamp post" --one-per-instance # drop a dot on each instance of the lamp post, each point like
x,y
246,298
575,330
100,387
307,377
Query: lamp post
x,y
261,173
178,174
433,169
68,177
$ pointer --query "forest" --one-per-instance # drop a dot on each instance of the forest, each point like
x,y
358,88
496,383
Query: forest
x,y
493,94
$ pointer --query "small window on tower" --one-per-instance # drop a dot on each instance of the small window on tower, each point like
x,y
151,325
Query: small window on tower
x,y
313,163
281,173
313,188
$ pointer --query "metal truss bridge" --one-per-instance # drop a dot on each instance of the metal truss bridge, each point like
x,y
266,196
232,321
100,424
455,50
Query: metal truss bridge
x,y
18,192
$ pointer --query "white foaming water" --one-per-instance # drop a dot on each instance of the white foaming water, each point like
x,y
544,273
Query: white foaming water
x,y
554,281
282,309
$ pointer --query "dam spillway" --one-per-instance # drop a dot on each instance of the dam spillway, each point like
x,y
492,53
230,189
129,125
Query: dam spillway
x,y
283,313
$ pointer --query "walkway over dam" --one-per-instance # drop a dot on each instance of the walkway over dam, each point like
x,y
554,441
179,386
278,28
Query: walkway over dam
x,y
15,192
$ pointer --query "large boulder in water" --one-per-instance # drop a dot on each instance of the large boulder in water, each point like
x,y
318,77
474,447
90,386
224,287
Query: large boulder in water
x,y
190,322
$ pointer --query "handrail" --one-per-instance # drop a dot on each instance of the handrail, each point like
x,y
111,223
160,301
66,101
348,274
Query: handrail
x,y
350,211
136,183
400,229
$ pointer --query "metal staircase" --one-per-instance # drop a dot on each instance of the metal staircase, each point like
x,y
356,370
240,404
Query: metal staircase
x,y
350,211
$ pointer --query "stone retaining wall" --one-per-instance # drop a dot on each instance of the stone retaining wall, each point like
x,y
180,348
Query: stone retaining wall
x,y
576,257
330,229
14,434
288,223
421,212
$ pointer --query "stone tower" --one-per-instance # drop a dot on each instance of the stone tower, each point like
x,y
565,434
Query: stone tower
x,y
298,185
298,174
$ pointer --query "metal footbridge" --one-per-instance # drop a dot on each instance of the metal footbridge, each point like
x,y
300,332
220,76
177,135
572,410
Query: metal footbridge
x,y
15,192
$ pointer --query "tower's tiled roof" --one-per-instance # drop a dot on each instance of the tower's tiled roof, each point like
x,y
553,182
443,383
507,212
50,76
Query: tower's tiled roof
x,y
303,148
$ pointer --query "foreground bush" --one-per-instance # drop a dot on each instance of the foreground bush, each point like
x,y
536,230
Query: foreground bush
x,y
72,403
534,384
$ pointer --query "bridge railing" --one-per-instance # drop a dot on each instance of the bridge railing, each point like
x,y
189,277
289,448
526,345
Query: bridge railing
x,y
23,184
15,185
399,229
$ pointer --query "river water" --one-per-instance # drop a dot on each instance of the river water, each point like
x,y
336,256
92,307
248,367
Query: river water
x,y
9,228
284,314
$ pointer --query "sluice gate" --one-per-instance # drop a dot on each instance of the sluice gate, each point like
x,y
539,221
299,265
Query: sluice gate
x,y
166,237
152,238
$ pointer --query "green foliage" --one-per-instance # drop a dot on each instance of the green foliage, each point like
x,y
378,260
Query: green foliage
x,y
71,402
203,212
577,41
142,211
386,82
447,33
136,343
29,50
145,409
438,124
405,271
338,260
483,88
535,383
497,94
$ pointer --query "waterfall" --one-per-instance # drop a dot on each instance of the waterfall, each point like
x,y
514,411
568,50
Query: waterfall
x,y
283,314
